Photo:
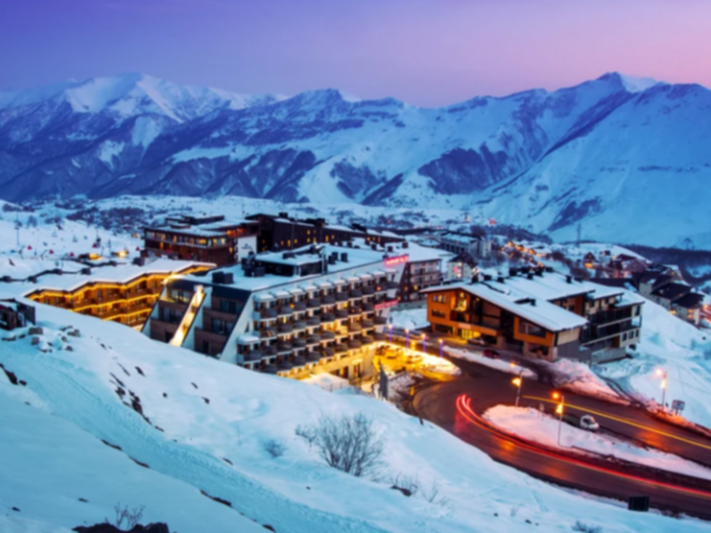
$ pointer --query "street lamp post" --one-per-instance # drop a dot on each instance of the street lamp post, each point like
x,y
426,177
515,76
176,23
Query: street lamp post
x,y
407,339
663,373
559,410
424,343
390,328
441,348
518,382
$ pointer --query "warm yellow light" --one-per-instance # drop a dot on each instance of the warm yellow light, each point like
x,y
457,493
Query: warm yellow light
x,y
660,372
664,384
441,341
559,409
556,395
516,381
512,364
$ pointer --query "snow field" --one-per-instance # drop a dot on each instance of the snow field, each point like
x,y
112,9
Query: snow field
x,y
294,493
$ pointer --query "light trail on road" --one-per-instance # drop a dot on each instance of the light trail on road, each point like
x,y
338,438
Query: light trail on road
x,y
463,404
623,421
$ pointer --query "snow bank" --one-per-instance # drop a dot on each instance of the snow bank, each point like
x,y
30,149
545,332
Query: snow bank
x,y
536,426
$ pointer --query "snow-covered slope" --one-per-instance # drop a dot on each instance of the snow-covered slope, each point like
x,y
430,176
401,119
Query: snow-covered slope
x,y
202,427
616,154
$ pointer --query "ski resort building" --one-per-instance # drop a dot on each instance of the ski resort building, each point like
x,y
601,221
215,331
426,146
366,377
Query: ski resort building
x,y
207,239
423,269
319,308
122,293
465,243
539,313
281,232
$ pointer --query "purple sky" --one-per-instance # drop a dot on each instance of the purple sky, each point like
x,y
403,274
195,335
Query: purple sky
x,y
426,52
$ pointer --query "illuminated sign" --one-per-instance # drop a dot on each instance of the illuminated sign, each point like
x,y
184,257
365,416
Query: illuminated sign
x,y
398,260
385,305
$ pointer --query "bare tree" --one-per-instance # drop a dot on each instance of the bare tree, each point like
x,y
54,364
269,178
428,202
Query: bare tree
x,y
348,443
126,519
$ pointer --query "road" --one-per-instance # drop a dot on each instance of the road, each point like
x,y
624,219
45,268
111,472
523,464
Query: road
x,y
437,401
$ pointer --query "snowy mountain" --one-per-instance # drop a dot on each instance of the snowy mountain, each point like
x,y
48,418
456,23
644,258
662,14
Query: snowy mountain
x,y
625,158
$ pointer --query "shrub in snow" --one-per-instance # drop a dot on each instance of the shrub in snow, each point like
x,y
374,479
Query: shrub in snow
x,y
348,443
579,526
126,518
275,448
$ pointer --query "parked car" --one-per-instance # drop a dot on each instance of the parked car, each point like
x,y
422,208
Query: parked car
x,y
492,354
589,423
476,341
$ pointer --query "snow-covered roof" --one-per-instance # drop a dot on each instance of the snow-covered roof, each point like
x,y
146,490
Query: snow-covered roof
x,y
418,253
360,260
531,298
520,303
122,273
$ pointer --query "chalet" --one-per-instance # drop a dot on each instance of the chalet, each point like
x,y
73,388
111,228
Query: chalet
x,y
540,314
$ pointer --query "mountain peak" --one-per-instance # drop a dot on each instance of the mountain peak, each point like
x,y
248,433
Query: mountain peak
x,y
630,84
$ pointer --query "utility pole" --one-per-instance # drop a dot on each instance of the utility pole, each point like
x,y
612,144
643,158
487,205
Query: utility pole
x,y
664,388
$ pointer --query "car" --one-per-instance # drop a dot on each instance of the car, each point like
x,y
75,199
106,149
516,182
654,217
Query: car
x,y
492,354
476,341
588,422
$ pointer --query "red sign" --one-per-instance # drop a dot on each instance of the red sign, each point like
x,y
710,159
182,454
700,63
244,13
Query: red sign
x,y
385,305
398,260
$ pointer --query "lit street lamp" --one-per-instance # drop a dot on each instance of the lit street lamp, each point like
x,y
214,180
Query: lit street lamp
x,y
424,343
559,411
441,348
518,383
663,373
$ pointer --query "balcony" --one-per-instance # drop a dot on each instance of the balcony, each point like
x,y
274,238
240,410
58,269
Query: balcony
x,y
313,321
328,317
313,339
356,293
267,314
355,327
285,310
253,355
313,303
327,352
380,320
378,336
270,369
284,348
341,313
285,366
341,297
607,317
300,306
354,311
368,307
313,357
354,344
328,300
367,323
340,348
327,335
299,343
299,360
369,290
392,285
285,328
267,333
299,325
366,339
270,351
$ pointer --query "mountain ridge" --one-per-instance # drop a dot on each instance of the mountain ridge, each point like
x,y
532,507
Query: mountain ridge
x,y
534,158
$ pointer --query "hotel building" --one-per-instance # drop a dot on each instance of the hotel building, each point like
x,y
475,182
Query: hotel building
x,y
316,309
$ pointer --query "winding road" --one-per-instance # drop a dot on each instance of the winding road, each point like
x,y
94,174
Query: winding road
x,y
454,404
